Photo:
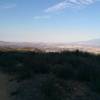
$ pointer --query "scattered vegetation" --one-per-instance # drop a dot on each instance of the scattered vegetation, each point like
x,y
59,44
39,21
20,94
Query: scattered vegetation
x,y
51,73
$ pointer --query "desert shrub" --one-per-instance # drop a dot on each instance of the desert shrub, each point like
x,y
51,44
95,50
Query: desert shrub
x,y
65,65
88,71
96,85
24,75
52,89
63,71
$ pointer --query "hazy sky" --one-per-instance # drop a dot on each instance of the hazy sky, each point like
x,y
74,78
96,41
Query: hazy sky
x,y
49,20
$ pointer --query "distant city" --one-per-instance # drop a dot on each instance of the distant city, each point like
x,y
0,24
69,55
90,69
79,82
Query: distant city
x,y
92,46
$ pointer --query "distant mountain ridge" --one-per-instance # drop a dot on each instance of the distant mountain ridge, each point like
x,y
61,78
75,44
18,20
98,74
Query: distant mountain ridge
x,y
94,42
91,45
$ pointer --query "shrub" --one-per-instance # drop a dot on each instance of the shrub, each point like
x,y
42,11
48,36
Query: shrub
x,y
63,71
52,89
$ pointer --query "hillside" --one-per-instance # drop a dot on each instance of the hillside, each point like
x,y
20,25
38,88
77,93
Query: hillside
x,y
52,76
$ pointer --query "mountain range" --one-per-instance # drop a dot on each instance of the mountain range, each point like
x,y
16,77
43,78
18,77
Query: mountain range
x,y
94,42
90,45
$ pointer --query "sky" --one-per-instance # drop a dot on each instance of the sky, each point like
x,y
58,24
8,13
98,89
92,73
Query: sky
x,y
49,20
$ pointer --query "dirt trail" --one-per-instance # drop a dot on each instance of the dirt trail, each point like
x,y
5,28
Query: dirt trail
x,y
4,87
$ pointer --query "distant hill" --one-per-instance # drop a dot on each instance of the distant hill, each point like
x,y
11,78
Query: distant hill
x,y
22,44
94,42
26,46
88,46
